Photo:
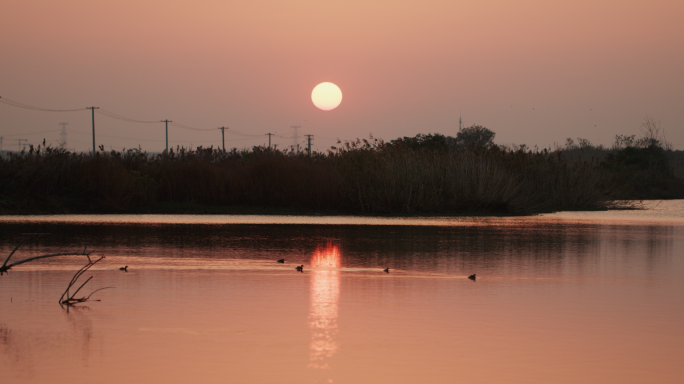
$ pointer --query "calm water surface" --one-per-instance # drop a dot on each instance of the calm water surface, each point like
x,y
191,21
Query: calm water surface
x,y
559,298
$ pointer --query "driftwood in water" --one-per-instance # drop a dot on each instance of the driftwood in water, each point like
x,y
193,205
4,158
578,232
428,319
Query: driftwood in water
x,y
6,267
67,299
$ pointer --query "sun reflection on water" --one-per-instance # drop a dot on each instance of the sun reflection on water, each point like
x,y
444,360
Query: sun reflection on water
x,y
323,311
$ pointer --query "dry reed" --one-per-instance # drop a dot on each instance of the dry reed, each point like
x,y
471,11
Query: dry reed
x,y
363,176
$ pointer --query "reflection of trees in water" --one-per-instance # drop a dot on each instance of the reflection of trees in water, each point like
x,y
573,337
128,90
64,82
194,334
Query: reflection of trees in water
x,y
24,350
14,347
511,245
82,328
640,249
7,342
550,246
658,240
323,311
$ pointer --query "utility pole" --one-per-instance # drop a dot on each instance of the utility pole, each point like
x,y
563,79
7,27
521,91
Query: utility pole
x,y
63,135
1,144
93,110
223,138
269,138
459,123
308,139
167,121
19,143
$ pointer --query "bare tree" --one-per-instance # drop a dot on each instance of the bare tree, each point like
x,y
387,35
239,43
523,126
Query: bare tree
x,y
653,134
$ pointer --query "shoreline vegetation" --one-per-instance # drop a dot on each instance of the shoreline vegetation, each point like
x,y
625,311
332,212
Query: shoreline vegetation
x,y
423,175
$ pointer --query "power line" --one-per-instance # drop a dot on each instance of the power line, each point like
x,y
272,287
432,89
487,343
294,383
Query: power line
x,y
117,116
238,133
182,126
202,141
77,141
17,104
109,114
158,141
124,118
32,133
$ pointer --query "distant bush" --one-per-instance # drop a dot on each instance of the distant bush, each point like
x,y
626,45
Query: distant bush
x,y
476,135
398,179
409,175
644,167
422,141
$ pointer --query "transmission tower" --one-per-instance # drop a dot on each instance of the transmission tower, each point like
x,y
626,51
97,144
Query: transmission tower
x,y
19,142
308,139
295,136
62,135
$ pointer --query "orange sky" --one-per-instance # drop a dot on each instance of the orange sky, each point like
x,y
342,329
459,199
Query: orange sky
x,y
535,72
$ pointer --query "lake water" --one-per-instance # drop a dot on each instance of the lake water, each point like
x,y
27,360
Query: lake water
x,y
594,297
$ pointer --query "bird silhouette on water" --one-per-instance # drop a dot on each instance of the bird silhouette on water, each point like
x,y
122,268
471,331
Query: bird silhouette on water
x,y
281,260
300,268
125,269
386,270
472,277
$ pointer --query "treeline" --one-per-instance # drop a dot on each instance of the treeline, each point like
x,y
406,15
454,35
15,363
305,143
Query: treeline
x,y
644,172
646,167
421,175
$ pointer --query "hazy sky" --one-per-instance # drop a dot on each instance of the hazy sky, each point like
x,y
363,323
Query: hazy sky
x,y
533,71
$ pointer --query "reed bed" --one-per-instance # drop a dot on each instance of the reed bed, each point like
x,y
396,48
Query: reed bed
x,y
360,177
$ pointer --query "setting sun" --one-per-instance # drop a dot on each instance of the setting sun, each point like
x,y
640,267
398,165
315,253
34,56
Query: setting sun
x,y
326,96
444,223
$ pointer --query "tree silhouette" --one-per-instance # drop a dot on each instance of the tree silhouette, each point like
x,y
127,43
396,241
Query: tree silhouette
x,y
477,135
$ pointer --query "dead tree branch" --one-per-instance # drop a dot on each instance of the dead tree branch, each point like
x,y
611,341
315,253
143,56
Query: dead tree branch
x,y
6,267
12,253
67,299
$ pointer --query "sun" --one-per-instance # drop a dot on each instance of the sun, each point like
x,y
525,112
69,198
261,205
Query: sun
x,y
326,96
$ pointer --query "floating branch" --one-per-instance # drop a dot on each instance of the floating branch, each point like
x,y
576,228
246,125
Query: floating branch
x,y
6,267
67,299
